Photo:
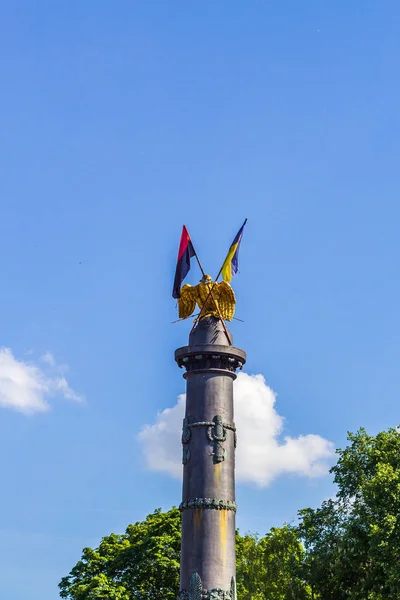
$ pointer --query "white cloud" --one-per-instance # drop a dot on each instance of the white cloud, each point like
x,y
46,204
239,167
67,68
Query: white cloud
x,y
49,359
26,387
261,455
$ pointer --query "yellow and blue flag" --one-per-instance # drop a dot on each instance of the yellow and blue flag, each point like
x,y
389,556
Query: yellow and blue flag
x,y
231,263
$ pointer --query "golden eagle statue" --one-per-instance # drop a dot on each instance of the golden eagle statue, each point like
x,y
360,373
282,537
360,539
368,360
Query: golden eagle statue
x,y
214,299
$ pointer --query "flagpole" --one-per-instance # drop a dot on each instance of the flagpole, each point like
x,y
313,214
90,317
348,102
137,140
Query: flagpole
x,y
198,261
211,289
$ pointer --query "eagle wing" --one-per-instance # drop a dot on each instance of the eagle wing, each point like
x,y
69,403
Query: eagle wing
x,y
226,300
187,301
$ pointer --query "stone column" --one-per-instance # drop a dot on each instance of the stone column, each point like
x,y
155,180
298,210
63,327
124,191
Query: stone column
x,y
208,560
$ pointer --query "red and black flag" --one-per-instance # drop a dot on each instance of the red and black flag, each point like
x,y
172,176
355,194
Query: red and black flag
x,y
186,251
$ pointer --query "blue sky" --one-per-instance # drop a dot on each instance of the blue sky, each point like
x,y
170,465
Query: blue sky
x,y
119,123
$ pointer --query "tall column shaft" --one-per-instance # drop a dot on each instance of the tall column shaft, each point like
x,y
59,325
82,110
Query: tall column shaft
x,y
208,559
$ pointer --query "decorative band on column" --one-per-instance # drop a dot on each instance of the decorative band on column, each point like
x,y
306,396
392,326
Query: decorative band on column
x,y
210,503
188,426
197,592
216,434
210,361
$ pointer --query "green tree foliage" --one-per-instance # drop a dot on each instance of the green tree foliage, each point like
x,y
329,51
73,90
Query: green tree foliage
x,y
347,549
353,542
271,567
248,564
141,564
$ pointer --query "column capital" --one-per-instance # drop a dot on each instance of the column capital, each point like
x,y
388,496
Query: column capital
x,y
210,357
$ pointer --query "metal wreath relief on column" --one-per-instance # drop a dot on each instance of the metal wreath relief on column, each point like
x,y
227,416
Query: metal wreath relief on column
x,y
216,433
186,435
